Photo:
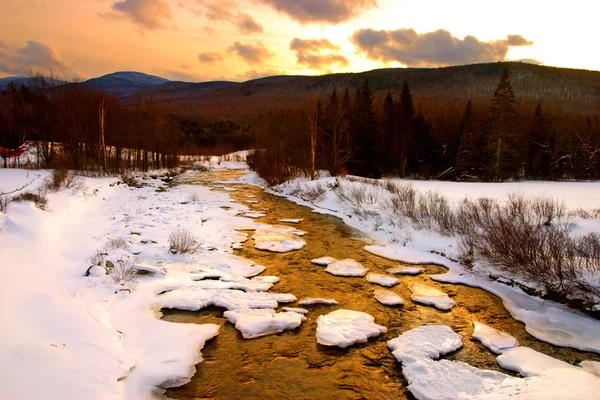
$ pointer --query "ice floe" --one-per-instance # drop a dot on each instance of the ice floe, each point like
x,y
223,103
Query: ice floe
x,y
425,342
253,215
278,239
347,267
406,271
324,261
429,296
310,301
296,310
291,220
493,339
344,328
382,280
388,298
252,201
544,377
254,323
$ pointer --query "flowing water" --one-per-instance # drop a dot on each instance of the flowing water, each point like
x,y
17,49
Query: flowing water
x,y
291,365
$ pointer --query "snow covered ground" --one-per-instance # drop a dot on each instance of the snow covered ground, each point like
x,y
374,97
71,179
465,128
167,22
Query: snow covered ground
x,y
545,320
89,337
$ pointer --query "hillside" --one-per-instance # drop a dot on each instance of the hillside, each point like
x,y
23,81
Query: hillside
x,y
575,90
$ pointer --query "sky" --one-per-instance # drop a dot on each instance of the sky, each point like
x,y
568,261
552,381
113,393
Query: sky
x,y
202,40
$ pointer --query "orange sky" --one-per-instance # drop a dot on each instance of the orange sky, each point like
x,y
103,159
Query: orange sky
x,y
197,40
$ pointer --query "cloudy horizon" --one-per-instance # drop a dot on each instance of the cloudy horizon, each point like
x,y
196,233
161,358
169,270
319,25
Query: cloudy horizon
x,y
202,40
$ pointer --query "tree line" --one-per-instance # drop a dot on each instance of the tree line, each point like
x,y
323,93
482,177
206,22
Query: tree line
x,y
73,126
478,140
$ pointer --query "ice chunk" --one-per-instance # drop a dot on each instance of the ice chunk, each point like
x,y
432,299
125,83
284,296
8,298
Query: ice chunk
x,y
406,271
309,301
528,362
431,297
425,342
382,280
197,297
262,322
253,215
493,339
292,220
278,239
324,261
266,279
296,310
252,201
344,328
227,189
388,298
347,267
591,366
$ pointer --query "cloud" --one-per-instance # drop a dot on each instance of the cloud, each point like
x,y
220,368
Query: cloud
x,y
254,74
321,11
252,54
247,25
148,14
181,76
317,53
431,49
210,57
226,11
33,56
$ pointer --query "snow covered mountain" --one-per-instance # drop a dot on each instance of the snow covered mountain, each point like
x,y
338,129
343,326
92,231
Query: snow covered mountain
x,y
126,82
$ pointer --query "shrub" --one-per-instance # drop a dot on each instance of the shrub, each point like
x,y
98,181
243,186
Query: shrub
x,y
183,241
4,203
39,199
62,178
311,193
124,273
116,244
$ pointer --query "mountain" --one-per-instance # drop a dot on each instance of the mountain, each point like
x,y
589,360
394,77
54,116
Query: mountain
x,y
576,90
125,83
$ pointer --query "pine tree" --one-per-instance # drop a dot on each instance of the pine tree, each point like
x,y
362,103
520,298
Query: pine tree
x,y
406,116
464,155
366,131
502,141
389,144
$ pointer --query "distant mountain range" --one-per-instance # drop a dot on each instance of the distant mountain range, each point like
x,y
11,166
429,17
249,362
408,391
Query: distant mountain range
x,y
580,89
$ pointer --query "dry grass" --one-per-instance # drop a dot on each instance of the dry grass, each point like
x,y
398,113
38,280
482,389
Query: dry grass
x,y
116,244
124,274
63,179
39,199
184,241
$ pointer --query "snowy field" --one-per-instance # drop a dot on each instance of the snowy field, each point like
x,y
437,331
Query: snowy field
x,y
100,337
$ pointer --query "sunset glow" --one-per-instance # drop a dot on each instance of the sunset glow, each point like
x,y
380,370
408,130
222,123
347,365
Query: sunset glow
x,y
238,40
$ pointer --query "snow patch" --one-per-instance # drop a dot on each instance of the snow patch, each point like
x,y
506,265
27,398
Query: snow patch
x,y
324,261
493,339
382,280
263,322
347,267
388,298
431,297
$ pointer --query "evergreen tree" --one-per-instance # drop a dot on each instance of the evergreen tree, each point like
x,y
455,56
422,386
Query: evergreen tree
x,y
405,122
464,155
367,157
389,145
502,137
538,157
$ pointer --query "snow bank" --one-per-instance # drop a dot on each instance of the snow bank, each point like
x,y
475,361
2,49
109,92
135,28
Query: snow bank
x,y
311,301
344,328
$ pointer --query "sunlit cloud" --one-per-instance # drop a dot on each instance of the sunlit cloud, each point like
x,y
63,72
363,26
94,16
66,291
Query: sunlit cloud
x,y
147,14
251,54
317,53
321,11
225,11
34,56
210,57
431,49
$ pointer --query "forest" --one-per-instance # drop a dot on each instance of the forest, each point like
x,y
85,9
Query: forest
x,y
464,140
359,132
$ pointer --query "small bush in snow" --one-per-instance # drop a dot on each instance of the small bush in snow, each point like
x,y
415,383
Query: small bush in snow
x,y
39,199
62,178
116,244
124,274
312,192
183,241
194,197
4,203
